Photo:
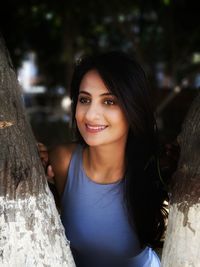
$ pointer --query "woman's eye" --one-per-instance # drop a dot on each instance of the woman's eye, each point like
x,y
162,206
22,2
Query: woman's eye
x,y
84,100
109,102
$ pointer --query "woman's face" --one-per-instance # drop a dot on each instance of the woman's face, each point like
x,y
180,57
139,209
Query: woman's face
x,y
99,117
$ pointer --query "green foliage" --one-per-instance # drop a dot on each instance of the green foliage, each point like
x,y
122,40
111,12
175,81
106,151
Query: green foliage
x,y
156,31
166,2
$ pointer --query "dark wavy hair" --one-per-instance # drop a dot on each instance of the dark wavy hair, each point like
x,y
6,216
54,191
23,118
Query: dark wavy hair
x,y
143,192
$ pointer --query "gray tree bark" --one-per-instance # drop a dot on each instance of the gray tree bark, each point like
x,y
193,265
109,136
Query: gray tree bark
x,y
182,244
31,233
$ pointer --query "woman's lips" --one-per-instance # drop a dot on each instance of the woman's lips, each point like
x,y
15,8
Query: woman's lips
x,y
95,128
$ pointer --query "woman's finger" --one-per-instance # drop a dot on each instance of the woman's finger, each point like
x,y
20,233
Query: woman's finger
x,y
50,172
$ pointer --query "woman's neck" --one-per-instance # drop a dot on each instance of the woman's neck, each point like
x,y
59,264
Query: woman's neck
x,y
104,164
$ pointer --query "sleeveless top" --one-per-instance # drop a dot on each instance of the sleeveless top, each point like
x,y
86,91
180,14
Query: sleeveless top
x,y
96,224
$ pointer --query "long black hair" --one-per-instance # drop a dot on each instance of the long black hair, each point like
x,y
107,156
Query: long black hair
x,y
144,196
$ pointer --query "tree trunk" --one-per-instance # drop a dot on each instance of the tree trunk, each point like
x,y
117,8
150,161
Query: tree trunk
x,y
182,244
31,233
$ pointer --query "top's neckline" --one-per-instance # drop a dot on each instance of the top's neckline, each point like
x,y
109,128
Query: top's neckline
x,y
92,181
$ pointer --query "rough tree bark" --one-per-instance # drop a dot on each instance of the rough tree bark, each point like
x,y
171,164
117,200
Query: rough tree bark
x,y
182,244
31,233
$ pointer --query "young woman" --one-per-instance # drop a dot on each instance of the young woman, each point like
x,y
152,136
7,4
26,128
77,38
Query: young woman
x,y
111,194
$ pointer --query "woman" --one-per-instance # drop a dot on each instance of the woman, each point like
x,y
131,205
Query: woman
x,y
112,198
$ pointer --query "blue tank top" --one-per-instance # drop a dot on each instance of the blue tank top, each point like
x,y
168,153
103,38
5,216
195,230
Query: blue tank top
x,y
95,220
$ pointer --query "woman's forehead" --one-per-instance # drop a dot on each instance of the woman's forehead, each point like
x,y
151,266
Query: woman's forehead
x,y
92,82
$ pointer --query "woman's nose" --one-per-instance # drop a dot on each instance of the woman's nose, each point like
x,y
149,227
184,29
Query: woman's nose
x,y
93,112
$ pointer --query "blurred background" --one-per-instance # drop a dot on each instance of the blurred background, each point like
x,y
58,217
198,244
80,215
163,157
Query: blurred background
x,y
46,37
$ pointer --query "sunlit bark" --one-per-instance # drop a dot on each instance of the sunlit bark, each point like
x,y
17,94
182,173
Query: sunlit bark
x,y
31,233
182,245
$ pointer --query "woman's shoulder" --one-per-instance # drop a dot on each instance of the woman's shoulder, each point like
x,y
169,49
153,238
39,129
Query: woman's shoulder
x,y
59,159
62,152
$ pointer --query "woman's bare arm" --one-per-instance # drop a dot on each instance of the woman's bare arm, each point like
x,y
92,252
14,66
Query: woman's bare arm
x,y
56,163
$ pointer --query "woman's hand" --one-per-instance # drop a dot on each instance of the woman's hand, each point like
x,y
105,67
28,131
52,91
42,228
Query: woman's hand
x,y
44,156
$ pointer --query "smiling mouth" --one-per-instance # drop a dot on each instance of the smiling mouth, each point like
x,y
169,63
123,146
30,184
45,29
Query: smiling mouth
x,y
95,128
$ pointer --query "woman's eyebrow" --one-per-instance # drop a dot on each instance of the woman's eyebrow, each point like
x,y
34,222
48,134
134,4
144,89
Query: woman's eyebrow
x,y
104,94
84,92
107,94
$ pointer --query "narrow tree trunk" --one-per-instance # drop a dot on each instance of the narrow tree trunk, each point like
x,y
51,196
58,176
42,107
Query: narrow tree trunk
x,y
182,245
31,233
